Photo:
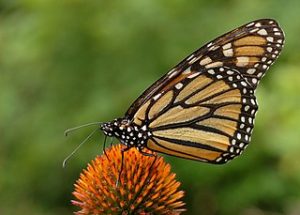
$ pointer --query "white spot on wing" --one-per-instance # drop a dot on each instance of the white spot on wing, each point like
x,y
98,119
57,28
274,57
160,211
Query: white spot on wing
x,y
209,45
194,60
264,66
243,83
270,39
254,30
215,64
211,71
156,96
179,86
242,61
193,75
144,128
227,46
213,48
257,24
250,24
190,57
251,71
269,49
259,74
205,61
187,71
173,74
228,53
262,32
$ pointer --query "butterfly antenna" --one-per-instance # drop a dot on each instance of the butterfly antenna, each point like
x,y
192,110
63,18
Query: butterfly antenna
x,y
76,149
80,126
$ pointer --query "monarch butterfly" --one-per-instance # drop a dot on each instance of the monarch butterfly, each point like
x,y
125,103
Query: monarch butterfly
x,y
204,108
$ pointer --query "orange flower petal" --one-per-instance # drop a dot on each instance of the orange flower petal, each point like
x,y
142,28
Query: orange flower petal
x,y
146,185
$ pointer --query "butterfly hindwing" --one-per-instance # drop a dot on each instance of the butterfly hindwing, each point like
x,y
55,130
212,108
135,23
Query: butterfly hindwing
x,y
211,123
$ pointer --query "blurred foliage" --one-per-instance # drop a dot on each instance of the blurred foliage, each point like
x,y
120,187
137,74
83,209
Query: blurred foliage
x,y
64,63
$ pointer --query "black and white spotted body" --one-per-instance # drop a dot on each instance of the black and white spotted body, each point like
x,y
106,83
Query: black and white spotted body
x,y
130,134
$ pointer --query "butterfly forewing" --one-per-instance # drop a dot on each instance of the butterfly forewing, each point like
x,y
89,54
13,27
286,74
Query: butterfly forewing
x,y
250,49
204,108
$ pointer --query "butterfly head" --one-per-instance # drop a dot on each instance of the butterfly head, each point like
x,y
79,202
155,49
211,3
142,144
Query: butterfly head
x,y
127,132
114,127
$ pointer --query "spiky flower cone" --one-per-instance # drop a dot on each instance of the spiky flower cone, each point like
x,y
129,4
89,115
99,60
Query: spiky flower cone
x,y
146,185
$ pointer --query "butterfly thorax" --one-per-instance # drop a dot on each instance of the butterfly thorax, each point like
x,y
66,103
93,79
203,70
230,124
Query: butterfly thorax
x,y
127,132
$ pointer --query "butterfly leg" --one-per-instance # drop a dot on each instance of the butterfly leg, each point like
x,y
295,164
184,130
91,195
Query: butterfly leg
x,y
146,154
104,148
150,155
111,141
122,161
153,162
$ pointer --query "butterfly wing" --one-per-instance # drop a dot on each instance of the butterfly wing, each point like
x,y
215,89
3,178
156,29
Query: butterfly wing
x,y
250,49
204,108
205,117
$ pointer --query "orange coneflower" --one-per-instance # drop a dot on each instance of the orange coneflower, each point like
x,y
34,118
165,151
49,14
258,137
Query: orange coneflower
x,y
147,185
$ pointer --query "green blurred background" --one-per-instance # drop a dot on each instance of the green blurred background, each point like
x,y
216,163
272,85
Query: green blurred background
x,y
65,63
